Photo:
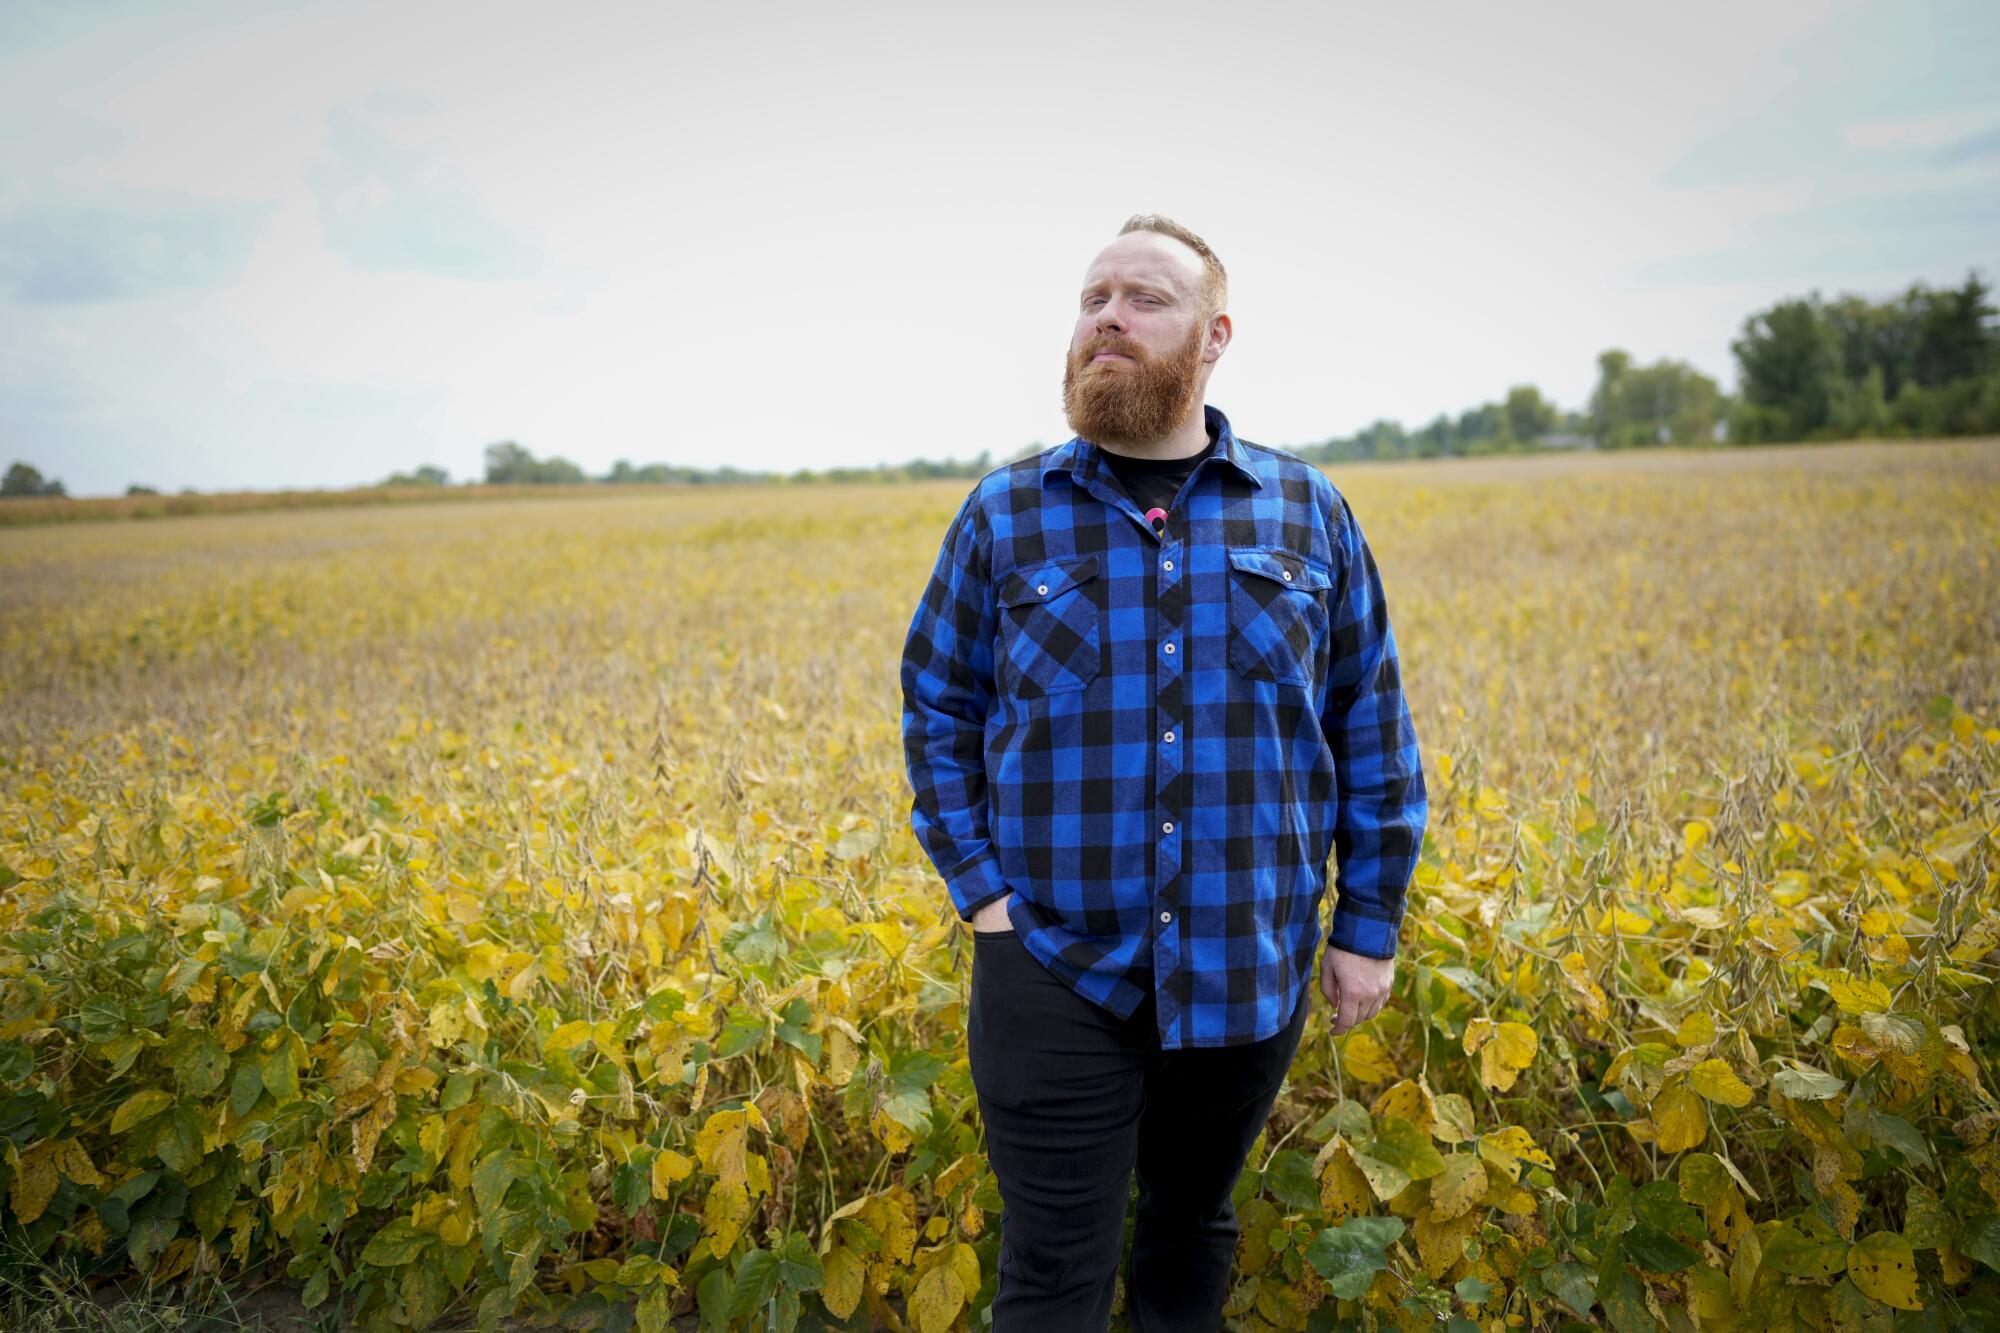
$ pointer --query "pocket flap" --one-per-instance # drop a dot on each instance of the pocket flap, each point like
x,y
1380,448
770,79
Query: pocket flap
x,y
1281,566
1039,583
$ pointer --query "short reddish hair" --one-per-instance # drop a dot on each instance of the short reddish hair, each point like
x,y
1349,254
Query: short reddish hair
x,y
1215,280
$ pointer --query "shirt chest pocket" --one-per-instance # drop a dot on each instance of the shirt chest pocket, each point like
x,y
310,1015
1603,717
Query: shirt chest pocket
x,y
1278,615
1049,628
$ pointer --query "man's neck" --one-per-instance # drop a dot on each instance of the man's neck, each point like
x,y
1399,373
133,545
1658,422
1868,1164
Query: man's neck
x,y
1184,441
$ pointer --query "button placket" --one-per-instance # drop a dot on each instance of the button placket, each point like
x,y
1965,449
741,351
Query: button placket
x,y
1171,702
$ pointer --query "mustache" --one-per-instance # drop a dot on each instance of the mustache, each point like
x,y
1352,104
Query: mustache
x,y
1117,345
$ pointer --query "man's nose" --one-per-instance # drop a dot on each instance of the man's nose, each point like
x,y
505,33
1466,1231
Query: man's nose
x,y
1108,318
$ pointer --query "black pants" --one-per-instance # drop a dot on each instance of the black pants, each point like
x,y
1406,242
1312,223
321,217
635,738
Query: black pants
x,y
1073,1099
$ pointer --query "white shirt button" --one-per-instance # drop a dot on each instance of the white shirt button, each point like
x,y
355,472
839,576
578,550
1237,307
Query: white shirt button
x,y
1166,917
1167,827
1288,576
1170,738
1170,647
1043,588
1168,565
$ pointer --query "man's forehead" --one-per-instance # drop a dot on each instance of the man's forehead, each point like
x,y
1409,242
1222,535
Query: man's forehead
x,y
1146,255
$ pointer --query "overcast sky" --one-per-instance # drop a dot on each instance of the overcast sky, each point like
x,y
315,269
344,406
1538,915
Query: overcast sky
x,y
254,245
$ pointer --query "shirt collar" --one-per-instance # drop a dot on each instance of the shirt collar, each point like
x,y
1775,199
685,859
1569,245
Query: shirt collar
x,y
1082,459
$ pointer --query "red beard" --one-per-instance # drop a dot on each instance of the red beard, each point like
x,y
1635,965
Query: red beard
x,y
1128,405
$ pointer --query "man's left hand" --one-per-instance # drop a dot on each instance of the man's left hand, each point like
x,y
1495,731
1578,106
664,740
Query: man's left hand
x,y
1356,986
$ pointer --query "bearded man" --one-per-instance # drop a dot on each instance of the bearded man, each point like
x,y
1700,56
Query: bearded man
x,y
1149,689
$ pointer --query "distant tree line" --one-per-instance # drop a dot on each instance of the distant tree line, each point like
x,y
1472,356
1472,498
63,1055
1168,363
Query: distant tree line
x,y
1924,363
508,464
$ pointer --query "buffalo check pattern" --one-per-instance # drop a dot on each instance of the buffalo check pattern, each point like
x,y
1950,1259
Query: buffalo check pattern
x,y
1157,742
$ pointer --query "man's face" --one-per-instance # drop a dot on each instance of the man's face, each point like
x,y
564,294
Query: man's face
x,y
1140,356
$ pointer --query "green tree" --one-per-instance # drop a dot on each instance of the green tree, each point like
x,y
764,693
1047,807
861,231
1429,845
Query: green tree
x,y
25,479
1788,370
1955,335
1668,402
1527,415
507,463
429,474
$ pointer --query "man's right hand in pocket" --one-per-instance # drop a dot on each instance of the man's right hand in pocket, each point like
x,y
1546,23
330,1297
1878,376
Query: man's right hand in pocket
x,y
994,916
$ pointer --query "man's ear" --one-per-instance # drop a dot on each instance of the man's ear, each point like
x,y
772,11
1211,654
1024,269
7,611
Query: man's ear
x,y
1219,332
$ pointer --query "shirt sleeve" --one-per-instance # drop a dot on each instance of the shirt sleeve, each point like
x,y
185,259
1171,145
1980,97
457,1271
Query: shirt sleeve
x,y
948,689
1383,805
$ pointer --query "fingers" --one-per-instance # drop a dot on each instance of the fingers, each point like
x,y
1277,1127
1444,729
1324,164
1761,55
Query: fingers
x,y
1352,1006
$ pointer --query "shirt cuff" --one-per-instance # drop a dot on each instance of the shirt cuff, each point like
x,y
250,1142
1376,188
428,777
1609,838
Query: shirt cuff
x,y
1371,937
975,883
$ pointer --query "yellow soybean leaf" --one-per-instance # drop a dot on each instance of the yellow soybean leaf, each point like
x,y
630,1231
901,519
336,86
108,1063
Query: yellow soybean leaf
x,y
1453,1121
1505,1195
655,1312
1979,940
965,1260
669,1168
1407,1100
889,1131
1505,1148
1679,1122
935,1304
433,1137
1577,978
76,1164
1622,921
721,1144
842,1056
1695,833
723,1214
568,1037
1857,995
34,1183
456,1228
1343,1188
840,1288
1715,1080
522,981
140,1106
1458,1187
1511,1050
1364,1057
1697,1029
961,1170
1884,1267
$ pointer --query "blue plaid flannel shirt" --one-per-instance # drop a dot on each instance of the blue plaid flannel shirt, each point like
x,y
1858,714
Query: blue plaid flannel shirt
x,y
1156,742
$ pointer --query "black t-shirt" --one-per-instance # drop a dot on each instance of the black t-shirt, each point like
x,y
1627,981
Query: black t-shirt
x,y
1153,482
